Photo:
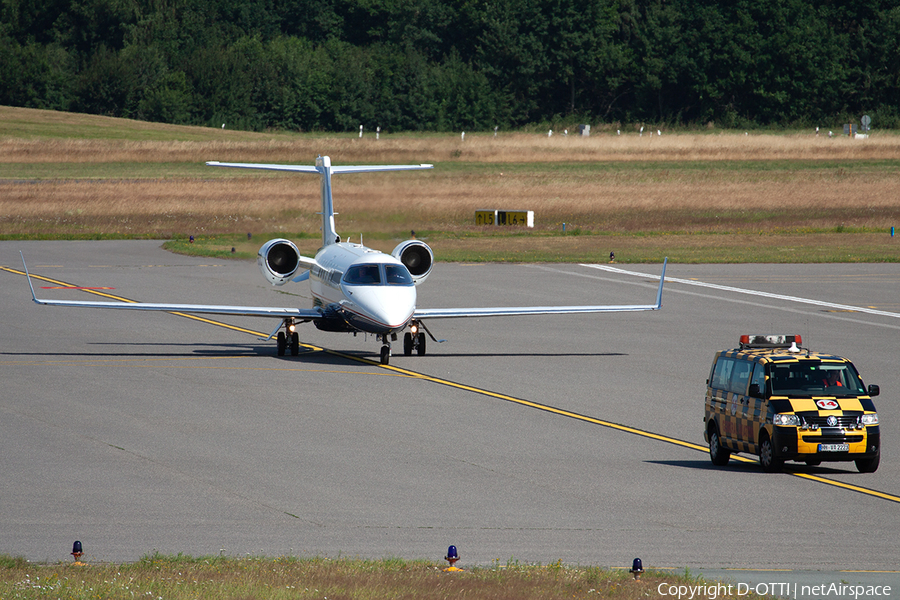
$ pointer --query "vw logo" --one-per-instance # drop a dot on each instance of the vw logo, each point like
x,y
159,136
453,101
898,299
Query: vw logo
x,y
831,420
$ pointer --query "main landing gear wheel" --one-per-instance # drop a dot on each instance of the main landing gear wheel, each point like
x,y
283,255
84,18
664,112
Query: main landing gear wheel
x,y
288,337
421,345
407,344
295,344
415,342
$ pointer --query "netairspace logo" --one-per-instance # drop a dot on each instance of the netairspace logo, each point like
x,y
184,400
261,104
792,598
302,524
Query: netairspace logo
x,y
841,591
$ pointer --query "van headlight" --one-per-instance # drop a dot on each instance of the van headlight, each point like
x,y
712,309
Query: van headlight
x,y
786,420
871,419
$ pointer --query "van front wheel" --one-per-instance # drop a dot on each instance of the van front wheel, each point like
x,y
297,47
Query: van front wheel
x,y
868,465
717,454
767,459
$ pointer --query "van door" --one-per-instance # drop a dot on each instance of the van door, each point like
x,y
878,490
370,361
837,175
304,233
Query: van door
x,y
758,408
720,400
741,409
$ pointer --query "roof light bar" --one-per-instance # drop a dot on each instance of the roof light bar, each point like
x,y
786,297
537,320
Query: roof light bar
x,y
772,341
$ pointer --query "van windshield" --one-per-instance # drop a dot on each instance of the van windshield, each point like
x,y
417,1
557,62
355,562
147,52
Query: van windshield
x,y
813,378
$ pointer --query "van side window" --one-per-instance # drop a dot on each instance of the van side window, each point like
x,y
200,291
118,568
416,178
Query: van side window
x,y
759,378
740,376
722,373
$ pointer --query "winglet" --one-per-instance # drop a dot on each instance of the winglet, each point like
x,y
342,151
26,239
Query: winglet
x,y
28,276
662,279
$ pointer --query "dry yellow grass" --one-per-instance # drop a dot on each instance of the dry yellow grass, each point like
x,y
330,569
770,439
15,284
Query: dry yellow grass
x,y
77,174
592,201
506,148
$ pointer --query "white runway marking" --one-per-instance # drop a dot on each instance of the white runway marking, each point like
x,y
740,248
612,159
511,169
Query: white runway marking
x,y
727,288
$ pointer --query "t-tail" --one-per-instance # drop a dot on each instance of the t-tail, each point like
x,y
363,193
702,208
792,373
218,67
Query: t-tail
x,y
329,235
323,167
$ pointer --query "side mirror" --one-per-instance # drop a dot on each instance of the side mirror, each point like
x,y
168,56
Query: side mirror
x,y
874,390
754,390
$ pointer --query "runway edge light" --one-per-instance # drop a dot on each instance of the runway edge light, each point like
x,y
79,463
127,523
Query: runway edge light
x,y
636,568
77,552
452,557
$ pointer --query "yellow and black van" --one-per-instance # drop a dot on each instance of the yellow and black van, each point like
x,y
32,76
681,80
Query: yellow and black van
x,y
772,398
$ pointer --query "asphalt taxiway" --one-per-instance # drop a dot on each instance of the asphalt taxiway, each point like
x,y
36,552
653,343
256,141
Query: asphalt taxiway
x,y
532,439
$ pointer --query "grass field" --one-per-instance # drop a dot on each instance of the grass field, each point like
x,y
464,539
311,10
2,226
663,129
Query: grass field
x,y
707,196
182,577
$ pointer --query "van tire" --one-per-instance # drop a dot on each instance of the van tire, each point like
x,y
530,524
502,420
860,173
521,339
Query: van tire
x,y
868,465
767,459
717,454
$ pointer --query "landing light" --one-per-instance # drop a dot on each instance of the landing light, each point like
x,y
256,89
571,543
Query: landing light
x,y
414,329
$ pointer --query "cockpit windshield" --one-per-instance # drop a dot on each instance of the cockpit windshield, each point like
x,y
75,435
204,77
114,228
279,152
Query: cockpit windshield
x,y
378,274
363,275
397,275
812,378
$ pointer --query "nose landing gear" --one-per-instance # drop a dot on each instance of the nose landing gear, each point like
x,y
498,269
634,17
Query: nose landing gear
x,y
386,348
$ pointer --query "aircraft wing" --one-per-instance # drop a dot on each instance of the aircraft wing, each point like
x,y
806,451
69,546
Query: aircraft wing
x,y
198,309
203,309
510,311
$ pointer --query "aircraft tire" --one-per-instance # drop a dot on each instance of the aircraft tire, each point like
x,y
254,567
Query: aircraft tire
x,y
421,348
282,343
407,344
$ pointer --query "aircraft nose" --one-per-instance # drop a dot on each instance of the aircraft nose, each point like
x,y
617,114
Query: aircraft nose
x,y
389,307
397,307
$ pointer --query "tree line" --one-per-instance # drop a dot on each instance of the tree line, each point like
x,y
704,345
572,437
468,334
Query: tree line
x,y
450,65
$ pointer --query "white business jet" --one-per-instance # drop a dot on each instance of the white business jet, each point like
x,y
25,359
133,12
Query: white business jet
x,y
354,288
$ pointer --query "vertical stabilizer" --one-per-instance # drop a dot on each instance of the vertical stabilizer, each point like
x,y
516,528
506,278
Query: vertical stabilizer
x,y
329,235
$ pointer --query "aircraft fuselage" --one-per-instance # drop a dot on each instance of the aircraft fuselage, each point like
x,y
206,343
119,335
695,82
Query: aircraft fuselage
x,y
363,289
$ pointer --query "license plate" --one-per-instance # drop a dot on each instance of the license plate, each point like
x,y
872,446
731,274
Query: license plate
x,y
834,447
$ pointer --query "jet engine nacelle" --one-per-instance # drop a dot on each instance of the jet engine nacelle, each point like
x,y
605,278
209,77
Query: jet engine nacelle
x,y
417,257
278,260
